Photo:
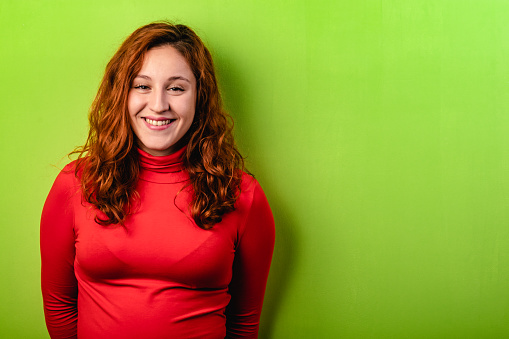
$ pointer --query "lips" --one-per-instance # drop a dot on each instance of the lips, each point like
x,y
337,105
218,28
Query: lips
x,y
159,122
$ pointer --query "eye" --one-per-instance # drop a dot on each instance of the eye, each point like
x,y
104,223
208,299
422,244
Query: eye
x,y
176,89
142,87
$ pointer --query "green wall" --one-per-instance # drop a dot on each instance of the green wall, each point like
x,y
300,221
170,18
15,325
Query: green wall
x,y
378,129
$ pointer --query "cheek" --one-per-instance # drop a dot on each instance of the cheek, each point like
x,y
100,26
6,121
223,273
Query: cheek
x,y
192,106
134,105
185,107
191,112
191,109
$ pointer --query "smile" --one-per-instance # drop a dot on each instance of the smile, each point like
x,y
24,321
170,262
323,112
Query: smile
x,y
159,122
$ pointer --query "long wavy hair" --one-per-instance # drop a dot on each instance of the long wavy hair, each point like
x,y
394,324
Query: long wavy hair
x,y
108,163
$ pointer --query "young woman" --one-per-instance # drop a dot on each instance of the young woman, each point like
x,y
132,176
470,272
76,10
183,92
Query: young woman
x,y
156,231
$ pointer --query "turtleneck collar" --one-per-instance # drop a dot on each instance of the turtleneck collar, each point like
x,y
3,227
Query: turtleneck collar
x,y
166,169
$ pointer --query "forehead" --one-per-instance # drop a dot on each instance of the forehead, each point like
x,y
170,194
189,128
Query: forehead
x,y
165,61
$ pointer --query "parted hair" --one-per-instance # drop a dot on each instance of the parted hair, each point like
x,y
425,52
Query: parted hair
x,y
108,162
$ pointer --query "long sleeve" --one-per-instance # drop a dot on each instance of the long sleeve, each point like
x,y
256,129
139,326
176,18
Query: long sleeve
x,y
59,285
250,269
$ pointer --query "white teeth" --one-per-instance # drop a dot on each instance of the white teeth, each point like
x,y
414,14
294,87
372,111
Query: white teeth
x,y
157,123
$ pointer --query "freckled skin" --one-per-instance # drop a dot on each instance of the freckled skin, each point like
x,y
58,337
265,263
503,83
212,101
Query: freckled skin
x,y
165,88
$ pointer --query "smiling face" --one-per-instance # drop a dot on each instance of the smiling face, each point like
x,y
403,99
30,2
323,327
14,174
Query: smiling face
x,y
162,101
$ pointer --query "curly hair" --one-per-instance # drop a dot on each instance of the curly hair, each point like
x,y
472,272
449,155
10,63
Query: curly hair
x,y
108,163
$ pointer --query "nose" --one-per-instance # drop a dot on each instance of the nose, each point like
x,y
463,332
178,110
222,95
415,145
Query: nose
x,y
159,102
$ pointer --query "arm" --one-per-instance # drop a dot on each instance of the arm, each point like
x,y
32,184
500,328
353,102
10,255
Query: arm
x,y
251,269
59,286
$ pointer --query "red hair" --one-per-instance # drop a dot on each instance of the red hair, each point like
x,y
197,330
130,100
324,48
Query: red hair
x,y
108,164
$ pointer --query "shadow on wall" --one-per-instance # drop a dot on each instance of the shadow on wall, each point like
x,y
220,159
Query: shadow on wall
x,y
283,264
238,102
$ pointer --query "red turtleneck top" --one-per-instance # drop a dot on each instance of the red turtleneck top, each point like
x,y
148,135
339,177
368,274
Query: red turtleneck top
x,y
160,276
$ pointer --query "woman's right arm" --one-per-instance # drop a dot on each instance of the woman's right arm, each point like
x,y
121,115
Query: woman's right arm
x,y
58,282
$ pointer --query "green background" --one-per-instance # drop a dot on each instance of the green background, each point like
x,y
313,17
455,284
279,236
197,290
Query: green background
x,y
378,129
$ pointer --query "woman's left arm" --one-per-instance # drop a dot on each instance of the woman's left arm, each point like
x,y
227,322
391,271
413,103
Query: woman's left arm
x,y
251,269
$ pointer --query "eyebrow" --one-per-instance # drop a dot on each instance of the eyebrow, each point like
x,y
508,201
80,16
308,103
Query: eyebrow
x,y
176,77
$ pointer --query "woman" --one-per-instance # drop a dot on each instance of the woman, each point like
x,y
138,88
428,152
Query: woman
x,y
155,231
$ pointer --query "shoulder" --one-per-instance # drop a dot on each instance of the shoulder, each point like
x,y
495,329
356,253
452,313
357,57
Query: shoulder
x,y
66,181
252,198
250,187
58,203
69,170
256,214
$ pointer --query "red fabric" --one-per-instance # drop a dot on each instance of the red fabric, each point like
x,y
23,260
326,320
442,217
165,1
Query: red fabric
x,y
160,276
